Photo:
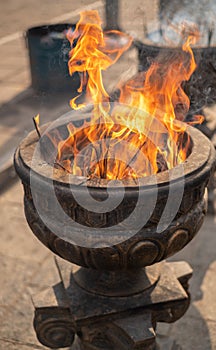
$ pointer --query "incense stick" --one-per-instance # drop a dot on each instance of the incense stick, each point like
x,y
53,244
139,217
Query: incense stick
x,y
36,127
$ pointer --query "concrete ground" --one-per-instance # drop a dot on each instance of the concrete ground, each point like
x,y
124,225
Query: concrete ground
x,y
27,267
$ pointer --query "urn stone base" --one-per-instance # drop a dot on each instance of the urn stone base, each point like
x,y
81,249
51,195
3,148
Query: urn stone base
x,y
103,322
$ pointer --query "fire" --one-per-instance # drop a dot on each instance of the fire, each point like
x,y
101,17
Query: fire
x,y
91,56
141,134
36,121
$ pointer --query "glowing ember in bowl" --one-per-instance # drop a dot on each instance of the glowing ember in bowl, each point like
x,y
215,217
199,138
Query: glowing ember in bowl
x,y
140,135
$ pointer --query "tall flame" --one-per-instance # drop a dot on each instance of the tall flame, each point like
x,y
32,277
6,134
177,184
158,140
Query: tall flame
x,y
159,94
91,55
142,134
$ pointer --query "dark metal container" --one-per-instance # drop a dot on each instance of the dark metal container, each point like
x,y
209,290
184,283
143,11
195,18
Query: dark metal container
x,y
48,54
201,88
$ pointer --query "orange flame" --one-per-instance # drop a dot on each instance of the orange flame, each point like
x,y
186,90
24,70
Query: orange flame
x,y
142,134
36,121
92,55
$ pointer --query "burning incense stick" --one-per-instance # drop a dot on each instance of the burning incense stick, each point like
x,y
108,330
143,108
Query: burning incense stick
x,y
36,121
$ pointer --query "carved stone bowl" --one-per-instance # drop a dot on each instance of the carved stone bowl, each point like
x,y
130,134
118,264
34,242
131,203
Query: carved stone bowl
x,y
178,199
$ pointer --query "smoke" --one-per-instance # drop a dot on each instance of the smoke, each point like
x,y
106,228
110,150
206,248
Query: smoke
x,y
173,13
